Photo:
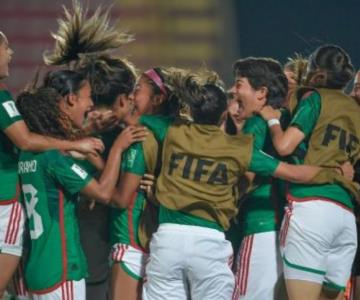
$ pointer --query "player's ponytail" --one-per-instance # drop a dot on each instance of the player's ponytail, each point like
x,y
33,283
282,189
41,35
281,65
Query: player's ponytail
x,y
298,65
330,67
201,92
79,34
84,42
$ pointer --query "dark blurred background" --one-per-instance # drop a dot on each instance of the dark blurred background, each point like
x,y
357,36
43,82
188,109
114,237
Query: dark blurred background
x,y
191,33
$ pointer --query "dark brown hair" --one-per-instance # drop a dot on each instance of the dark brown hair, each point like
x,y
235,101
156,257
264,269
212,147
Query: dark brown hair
x,y
264,72
335,62
41,112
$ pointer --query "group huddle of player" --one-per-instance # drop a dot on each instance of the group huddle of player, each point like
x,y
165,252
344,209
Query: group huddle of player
x,y
214,193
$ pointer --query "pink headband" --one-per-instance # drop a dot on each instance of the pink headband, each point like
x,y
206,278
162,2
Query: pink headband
x,y
156,79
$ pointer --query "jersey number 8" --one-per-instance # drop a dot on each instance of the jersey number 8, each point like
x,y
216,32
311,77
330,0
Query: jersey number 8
x,y
29,190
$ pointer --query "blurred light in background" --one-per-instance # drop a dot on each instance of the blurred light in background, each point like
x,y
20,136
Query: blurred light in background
x,y
190,33
167,33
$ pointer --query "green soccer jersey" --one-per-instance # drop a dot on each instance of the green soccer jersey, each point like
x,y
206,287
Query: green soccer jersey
x,y
125,222
50,183
260,211
108,139
305,118
8,159
261,163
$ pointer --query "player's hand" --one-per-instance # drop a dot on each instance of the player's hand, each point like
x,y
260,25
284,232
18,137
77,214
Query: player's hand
x,y
268,113
147,184
98,122
130,135
89,145
347,170
77,155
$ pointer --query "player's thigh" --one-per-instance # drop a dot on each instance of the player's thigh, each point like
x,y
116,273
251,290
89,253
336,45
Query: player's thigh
x,y
259,267
309,238
124,286
301,289
8,265
341,256
165,277
209,265
12,218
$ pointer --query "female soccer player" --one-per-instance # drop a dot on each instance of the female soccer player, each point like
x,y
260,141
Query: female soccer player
x,y
128,254
200,166
84,41
321,238
14,132
51,181
259,81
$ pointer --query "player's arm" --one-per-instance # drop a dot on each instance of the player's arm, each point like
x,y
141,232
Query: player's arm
x,y
103,189
303,123
296,173
285,142
306,173
12,124
264,164
126,189
257,127
97,161
132,169
26,140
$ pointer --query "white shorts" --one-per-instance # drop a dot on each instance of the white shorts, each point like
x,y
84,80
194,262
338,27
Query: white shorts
x,y
319,242
132,260
12,219
189,261
258,267
69,290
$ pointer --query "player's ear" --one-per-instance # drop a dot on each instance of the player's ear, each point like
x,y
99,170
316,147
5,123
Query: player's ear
x,y
157,100
261,98
71,99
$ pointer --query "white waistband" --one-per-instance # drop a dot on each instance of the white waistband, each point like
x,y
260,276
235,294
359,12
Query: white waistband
x,y
194,230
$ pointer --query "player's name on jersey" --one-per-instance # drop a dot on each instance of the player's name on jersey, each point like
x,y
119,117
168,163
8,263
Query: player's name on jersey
x,y
28,166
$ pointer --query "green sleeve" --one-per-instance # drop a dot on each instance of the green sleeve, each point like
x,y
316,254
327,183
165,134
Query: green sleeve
x,y
262,163
257,127
157,124
307,113
133,160
8,111
87,166
66,172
